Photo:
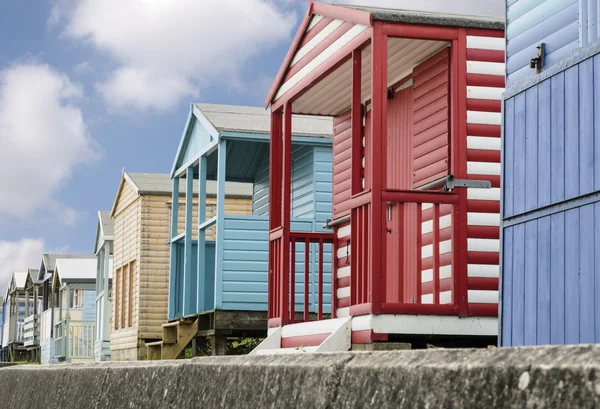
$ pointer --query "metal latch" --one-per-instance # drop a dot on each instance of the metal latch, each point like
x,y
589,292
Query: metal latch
x,y
538,62
452,183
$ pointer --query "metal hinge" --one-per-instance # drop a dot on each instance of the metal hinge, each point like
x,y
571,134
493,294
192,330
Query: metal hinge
x,y
452,183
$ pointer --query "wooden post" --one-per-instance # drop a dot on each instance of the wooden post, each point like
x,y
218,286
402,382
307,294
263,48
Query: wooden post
x,y
189,284
274,212
219,345
378,162
105,304
286,209
173,253
221,176
356,121
201,256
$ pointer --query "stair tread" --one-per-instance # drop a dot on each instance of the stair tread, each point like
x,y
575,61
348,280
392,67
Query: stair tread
x,y
153,344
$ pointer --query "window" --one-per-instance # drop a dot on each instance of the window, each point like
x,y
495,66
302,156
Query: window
x,y
124,295
117,304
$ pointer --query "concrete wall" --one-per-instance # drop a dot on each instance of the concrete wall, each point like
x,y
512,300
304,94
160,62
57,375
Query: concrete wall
x,y
552,377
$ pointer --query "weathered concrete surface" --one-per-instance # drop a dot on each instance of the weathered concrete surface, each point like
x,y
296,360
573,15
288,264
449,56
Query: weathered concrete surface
x,y
5,364
552,377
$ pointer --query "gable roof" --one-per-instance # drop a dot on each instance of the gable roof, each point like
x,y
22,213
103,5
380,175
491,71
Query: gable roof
x,y
257,120
104,229
18,280
162,184
76,270
32,276
48,264
360,18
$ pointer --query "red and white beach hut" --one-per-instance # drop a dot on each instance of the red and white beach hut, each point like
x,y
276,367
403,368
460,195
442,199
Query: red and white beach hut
x,y
416,145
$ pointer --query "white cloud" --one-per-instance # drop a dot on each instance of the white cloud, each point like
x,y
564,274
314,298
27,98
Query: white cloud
x,y
19,256
169,50
473,7
83,67
43,137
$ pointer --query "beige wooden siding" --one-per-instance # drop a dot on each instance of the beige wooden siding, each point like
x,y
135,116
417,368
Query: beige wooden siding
x,y
126,249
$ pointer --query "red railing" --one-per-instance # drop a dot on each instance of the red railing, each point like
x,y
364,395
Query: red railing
x,y
410,281
282,275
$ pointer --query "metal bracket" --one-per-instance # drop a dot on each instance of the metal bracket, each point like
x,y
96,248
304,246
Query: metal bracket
x,y
538,62
452,183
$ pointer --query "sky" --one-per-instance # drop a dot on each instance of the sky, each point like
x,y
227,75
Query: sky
x,y
89,88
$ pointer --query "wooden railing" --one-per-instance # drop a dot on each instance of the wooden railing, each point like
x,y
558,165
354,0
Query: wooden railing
x,y
74,339
30,330
409,280
283,275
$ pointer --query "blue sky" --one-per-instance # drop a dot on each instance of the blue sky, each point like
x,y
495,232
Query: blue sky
x,y
89,87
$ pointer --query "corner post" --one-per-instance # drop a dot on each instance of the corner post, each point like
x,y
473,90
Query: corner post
x,y
173,253
274,273
286,208
188,275
378,163
105,302
221,176
201,256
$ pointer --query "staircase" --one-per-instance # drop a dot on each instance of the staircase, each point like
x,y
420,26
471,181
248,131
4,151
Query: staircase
x,y
331,335
176,335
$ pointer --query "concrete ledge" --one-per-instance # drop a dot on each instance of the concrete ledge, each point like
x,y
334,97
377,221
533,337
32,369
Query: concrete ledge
x,y
545,377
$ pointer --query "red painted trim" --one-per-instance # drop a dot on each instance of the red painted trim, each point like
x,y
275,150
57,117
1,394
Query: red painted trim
x,y
286,210
484,80
485,105
343,13
482,32
313,237
416,196
483,232
360,309
334,274
420,31
480,155
343,282
356,123
310,34
416,309
303,341
343,302
483,206
492,131
445,284
323,70
482,283
367,336
274,322
331,38
483,257
290,54
475,54
483,310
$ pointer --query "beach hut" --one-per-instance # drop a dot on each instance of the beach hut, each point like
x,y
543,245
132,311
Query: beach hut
x,y
74,286
103,248
12,340
141,216
551,174
415,98
2,320
33,309
218,285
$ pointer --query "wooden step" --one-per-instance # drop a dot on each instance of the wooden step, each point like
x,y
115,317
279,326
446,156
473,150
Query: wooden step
x,y
154,350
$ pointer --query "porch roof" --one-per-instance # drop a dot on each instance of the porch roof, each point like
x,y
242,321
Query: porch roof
x,y
76,270
316,72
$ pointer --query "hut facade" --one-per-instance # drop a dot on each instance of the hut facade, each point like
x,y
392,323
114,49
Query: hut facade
x,y
14,317
551,168
416,176
141,215
218,283
103,249
74,288
33,309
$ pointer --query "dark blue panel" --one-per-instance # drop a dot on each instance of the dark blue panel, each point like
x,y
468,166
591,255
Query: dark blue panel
x,y
530,288
531,148
518,285
557,143
507,275
597,272
509,159
572,276
557,279
544,151
596,123
586,277
519,154
586,126
572,132
543,281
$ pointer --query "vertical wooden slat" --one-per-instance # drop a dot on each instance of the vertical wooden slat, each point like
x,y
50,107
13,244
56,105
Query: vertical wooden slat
x,y
401,247
436,253
358,246
306,278
286,205
334,270
320,300
293,281
419,252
